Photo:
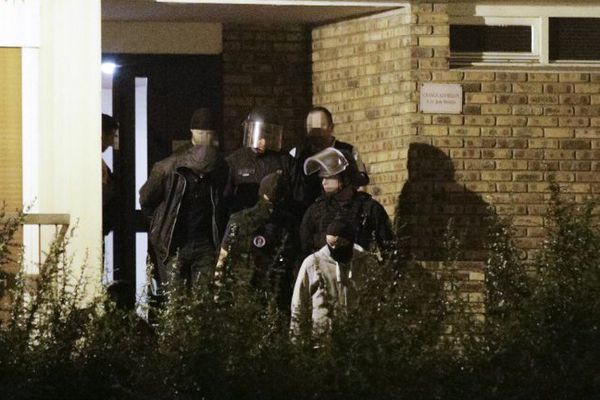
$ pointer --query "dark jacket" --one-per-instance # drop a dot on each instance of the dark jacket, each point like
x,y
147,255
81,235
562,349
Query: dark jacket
x,y
161,195
263,239
247,169
110,200
372,224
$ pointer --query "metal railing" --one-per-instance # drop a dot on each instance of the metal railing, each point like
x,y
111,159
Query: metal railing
x,y
58,220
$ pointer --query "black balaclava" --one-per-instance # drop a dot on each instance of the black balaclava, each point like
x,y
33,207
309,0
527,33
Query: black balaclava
x,y
317,142
345,230
273,187
203,119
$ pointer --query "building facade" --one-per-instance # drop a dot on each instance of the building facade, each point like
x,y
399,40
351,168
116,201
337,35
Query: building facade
x,y
529,109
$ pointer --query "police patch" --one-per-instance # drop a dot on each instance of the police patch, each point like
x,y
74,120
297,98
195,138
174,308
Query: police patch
x,y
259,241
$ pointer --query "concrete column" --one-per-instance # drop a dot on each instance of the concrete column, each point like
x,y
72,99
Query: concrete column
x,y
70,127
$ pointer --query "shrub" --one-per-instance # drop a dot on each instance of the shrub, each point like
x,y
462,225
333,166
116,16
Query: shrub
x,y
410,335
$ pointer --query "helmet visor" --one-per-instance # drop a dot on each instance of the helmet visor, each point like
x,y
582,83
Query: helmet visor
x,y
263,136
328,162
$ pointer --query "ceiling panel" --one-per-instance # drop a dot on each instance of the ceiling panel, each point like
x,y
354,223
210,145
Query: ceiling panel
x,y
150,10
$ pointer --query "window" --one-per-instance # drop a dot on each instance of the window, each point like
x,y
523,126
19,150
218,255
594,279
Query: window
x,y
493,40
574,39
485,38
528,33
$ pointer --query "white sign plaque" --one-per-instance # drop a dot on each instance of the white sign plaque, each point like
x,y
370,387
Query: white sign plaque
x,y
441,98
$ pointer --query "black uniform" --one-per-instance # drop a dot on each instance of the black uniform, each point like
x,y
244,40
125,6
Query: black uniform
x,y
372,224
246,169
262,246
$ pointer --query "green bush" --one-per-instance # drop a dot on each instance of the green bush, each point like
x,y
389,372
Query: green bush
x,y
410,337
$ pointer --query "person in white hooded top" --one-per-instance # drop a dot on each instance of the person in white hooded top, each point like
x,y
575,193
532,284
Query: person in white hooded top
x,y
328,279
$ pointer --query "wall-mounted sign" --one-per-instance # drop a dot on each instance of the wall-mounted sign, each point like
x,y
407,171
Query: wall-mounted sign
x,y
441,98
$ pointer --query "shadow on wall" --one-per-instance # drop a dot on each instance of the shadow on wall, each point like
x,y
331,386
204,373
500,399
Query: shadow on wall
x,y
432,205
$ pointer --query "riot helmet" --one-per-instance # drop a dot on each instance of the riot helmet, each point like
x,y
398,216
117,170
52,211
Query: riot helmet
x,y
332,162
328,163
263,131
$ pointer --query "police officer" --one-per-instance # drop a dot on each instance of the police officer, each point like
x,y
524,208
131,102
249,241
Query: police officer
x,y
340,179
260,243
319,136
183,199
260,156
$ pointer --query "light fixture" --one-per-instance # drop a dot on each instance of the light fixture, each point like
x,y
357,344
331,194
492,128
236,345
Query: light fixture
x,y
108,68
301,3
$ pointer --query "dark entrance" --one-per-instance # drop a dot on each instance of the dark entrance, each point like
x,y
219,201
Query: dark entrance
x,y
154,97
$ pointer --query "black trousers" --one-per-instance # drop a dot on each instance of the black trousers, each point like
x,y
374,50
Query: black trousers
x,y
192,264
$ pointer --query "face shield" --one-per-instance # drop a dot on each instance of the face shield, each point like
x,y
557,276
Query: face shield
x,y
201,137
262,136
328,163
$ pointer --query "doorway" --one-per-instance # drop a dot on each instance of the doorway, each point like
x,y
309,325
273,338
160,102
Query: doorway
x,y
153,98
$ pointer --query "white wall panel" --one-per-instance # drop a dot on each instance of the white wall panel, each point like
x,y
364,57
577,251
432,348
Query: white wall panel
x,y
70,139
20,23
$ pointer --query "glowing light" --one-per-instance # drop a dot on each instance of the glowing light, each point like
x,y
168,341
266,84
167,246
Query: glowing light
x,y
108,68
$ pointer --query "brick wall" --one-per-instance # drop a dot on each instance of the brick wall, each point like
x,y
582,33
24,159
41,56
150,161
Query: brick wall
x,y
265,66
361,72
518,127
